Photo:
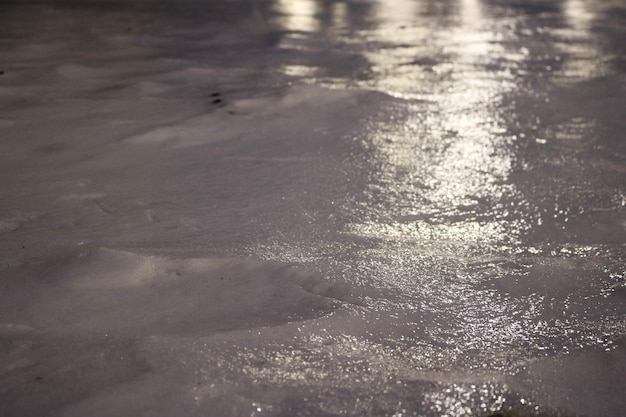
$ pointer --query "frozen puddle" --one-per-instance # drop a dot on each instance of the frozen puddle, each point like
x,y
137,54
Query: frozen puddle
x,y
111,292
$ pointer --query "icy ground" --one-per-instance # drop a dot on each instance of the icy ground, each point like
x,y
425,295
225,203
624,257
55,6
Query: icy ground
x,y
315,208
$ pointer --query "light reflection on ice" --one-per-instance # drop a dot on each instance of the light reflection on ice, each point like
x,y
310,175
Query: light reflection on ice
x,y
462,400
578,15
299,70
299,15
468,164
471,13
339,11
587,59
393,18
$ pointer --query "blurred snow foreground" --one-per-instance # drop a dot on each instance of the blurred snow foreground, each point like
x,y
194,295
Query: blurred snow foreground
x,y
312,208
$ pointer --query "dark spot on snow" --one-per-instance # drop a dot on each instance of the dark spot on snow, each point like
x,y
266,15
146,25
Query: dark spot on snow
x,y
23,247
39,379
217,101
1,72
222,278
216,94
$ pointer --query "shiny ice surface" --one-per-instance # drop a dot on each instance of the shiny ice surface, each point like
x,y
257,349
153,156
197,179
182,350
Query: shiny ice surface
x,y
312,208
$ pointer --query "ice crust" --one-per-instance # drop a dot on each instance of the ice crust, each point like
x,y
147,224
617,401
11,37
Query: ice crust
x,y
312,208
124,294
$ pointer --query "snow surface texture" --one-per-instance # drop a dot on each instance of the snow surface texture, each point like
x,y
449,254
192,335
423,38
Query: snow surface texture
x,y
312,208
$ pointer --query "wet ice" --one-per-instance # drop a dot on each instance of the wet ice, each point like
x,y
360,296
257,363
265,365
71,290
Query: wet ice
x,y
407,209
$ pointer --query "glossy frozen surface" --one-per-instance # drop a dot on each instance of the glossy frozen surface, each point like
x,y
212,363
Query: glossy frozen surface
x,y
312,208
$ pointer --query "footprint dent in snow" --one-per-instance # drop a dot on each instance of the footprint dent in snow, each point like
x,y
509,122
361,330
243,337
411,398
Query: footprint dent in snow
x,y
117,292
